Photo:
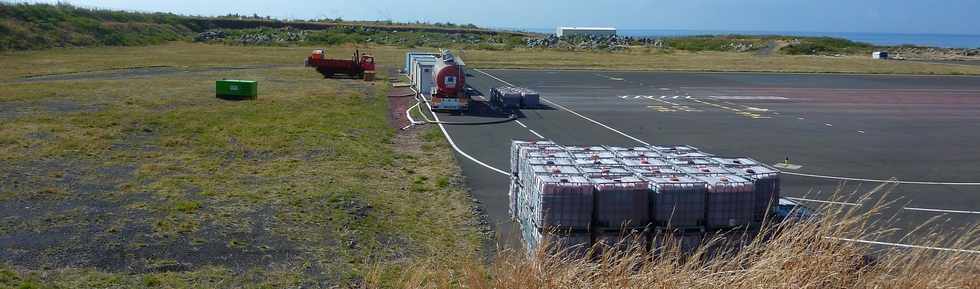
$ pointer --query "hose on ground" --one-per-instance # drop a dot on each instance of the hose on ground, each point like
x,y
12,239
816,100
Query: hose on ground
x,y
419,99
512,117
402,95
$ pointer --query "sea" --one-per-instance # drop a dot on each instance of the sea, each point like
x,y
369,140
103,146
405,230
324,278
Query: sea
x,y
883,39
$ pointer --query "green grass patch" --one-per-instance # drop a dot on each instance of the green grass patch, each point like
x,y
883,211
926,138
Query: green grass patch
x,y
827,46
25,26
716,43
308,180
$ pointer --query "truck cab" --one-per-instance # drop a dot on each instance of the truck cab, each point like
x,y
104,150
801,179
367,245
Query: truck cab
x,y
367,62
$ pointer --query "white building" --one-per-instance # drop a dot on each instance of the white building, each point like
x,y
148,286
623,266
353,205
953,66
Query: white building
x,y
574,31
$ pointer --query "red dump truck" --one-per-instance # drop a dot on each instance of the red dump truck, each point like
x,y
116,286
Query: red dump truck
x,y
357,66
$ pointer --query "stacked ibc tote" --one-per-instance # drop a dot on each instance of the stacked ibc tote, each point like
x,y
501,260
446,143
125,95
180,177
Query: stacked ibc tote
x,y
576,196
514,97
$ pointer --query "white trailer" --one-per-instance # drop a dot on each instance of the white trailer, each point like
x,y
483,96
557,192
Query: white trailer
x,y
585,31
422,75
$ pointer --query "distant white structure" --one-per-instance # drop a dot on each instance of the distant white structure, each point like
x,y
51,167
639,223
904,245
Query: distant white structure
x,y
879,55
596,31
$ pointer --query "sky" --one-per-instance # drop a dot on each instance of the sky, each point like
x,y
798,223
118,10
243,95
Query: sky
x,y
897,16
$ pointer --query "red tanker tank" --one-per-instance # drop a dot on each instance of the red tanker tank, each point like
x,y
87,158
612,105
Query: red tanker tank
x,y
450,77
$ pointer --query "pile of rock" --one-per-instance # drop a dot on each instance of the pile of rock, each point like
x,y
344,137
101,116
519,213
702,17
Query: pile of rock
x,y
551,41
740,46
591,42
210,36
272,36
932,53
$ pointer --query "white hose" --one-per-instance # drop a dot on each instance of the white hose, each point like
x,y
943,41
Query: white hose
x,y
420,99
422,112
408,113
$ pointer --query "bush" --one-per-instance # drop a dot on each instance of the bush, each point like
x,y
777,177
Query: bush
x,y
826,45
716,43
39,26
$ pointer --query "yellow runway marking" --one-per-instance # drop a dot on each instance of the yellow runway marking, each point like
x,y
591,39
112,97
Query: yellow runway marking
x,y
661,108
737,111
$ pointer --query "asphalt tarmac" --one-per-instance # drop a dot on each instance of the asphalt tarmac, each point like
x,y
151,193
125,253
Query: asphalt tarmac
x,y
919,129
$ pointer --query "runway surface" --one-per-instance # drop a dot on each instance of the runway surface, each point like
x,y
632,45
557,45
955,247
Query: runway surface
x,y
919,129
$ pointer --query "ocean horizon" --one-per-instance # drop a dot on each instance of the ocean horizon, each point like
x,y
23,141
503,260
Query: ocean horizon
x,y
882,39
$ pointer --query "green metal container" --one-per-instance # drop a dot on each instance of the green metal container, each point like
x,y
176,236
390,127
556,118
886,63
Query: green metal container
x,y
237,89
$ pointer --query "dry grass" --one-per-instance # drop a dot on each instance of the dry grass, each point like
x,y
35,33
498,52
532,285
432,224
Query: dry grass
x,y
149,181
178,54
194,167
803,255
702,61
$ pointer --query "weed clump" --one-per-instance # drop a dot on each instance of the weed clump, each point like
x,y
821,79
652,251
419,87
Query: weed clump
x,y
808,254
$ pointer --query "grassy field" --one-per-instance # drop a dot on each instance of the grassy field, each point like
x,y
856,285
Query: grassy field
x,y
121,169
177,56
143,179
703,61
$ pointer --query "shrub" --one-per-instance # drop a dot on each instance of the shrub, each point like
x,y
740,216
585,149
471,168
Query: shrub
x,y
826,45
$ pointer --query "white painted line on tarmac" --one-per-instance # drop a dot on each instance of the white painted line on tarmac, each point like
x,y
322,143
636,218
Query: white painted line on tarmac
x,y
572,111
609,77
880,181
905,245
787,166
800,118
942,211
786,173
796,174
536,134
458,150
531,130
827,124
860,131
823,202
743,97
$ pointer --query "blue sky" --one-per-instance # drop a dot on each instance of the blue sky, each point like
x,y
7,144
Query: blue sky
x,y
898,16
